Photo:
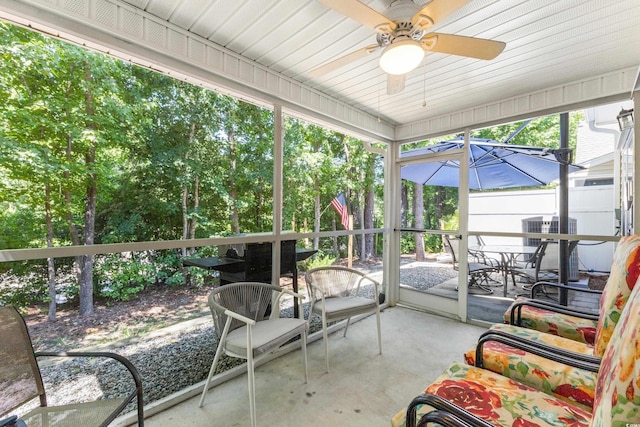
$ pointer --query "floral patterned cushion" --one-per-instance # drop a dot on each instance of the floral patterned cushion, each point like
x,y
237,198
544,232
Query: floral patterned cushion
x,y
566,382
572,327
617,401
500,400
624,274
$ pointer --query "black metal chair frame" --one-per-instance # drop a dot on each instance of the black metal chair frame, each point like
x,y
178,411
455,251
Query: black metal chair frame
x,y
22,334
479,271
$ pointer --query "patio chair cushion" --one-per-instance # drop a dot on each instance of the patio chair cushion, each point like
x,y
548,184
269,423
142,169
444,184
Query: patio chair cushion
x,y
625,269
267,335
499,400
624,275
617,401
341,308
566,382
551,322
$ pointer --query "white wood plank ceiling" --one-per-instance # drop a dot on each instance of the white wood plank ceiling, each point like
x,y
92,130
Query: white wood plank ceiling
x,y
570,45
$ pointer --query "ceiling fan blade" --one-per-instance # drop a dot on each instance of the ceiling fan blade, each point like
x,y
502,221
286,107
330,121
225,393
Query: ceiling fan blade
x,y
342,61
471,47
435,12
395,83
361,13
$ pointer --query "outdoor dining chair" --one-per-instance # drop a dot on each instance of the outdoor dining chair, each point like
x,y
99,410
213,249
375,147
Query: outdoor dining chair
x,y
21,381
542,266
335,295
248,325
480,268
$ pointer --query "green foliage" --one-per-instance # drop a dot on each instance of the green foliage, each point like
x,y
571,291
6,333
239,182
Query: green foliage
x,y
433,243
27,290
319,260
121,277
169,268
407,243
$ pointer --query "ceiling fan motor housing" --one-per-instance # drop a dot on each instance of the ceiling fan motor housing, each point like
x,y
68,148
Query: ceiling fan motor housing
x,y
403,31
401,12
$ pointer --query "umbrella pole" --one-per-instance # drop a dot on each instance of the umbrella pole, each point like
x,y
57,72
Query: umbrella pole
x,y
563,225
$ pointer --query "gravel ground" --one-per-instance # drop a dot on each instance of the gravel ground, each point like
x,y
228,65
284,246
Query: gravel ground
x,y
173,361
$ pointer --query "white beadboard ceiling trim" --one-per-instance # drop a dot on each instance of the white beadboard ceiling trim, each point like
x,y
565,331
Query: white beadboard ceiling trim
x,y
610,87
270,45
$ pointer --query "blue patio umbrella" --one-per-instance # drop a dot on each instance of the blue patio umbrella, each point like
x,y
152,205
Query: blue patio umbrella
x,y
491,165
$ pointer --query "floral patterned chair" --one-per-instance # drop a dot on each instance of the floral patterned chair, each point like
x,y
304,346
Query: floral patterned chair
x,y
561,379
553,318
549,317
471,396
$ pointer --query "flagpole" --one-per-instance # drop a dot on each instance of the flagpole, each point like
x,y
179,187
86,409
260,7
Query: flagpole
x,y
324,210
350,244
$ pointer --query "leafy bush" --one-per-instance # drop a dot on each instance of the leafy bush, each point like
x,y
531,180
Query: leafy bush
x,y
122,277
433,243
23,291
319,260
168,266
407,243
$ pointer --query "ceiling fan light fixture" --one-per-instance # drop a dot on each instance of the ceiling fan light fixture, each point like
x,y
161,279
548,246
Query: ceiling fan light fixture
x,y
401,56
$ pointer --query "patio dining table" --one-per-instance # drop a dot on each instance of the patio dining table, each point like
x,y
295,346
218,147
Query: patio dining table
x,y
508,254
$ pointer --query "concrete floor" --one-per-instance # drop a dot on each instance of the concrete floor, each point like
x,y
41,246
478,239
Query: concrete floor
x,y
362,388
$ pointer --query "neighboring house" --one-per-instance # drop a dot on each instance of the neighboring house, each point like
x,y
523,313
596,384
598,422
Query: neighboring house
x,y
596,141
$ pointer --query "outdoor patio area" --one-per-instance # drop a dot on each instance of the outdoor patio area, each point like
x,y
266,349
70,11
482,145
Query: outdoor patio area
x,y
362,388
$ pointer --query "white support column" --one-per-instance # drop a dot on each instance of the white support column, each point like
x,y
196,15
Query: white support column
x,y
391,264
278,156
463,228
636,155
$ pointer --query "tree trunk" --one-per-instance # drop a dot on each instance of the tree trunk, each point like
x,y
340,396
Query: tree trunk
x,y
363,248
185,220
73,230
51,268
336,249
439,199
235,218
368,223
86,281
418,216
404,204
317,212
369,199
196,206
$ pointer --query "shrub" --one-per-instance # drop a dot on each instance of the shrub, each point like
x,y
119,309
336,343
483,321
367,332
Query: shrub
x,y
121,277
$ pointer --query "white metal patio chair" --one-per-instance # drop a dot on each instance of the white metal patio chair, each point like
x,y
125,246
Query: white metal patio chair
x,y
247,327
334,296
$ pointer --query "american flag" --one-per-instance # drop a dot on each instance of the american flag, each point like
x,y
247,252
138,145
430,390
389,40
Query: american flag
x,y
340,205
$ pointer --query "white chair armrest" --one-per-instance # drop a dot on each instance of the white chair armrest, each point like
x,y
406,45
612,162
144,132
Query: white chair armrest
x,y
240,317
295,294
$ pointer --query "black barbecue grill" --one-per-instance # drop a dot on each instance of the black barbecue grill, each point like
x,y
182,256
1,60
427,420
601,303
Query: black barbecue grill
x,y
251,262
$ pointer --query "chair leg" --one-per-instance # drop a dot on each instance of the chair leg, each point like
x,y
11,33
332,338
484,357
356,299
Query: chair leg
x,y
216,358
379,332
325,338
304,355
251,378
346,327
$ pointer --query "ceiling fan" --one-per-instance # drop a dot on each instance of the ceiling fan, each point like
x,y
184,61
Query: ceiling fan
x,y
404,36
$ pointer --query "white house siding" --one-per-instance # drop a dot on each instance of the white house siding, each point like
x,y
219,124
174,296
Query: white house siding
x,y
592,207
